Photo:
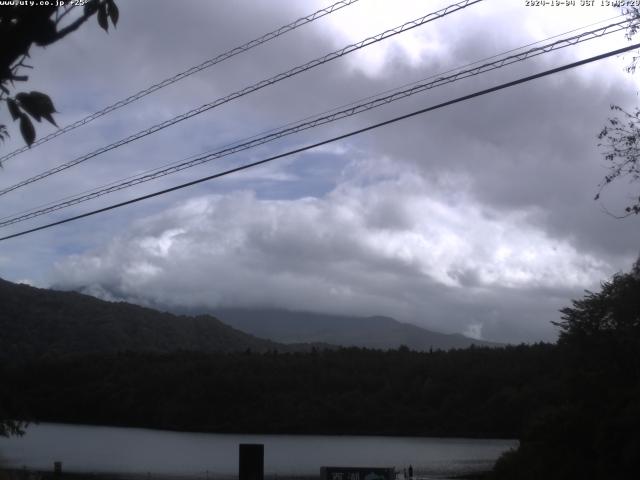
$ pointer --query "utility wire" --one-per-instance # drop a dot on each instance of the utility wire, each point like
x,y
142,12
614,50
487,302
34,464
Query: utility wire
x,y
255,141
333,139
252,88
83,196
186,73
317,121
334,109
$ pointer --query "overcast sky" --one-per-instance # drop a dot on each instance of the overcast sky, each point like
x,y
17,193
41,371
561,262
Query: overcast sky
x,y
476,218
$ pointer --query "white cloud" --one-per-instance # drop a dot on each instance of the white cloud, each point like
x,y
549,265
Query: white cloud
x,y
384,247
474,330
477,217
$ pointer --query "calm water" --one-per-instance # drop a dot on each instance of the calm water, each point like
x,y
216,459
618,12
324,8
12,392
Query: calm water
x,y
133,450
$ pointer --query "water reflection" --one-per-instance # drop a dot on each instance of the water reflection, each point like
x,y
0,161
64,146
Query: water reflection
x,y
141,451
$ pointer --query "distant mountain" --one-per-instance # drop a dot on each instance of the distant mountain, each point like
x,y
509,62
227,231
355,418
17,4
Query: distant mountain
x,y
370,332
38,323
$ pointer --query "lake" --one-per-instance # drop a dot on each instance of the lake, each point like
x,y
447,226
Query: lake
x,y
83,448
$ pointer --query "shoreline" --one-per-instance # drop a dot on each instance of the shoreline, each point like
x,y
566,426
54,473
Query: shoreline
x,y
439,436
32,474
29,474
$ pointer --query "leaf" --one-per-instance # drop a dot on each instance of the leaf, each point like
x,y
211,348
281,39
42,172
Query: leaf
x,y
38,105
90,7
45,33
43,101
102,17
14,110
114,12
27,130
49,118
28,106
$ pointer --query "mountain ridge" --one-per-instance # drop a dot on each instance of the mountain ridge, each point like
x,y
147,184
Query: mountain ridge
x,y
39,323
325,330
379,332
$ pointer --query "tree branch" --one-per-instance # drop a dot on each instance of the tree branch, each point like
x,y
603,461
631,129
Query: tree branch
x,y
73,26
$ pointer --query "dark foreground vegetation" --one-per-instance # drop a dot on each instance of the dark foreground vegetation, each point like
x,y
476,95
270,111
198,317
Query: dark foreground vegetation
x,y
478,392
575,405
38,323
594,431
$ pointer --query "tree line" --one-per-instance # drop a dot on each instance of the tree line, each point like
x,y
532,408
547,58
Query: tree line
x,y
574,405
478,392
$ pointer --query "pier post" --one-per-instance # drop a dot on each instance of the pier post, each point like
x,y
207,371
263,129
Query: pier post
x,y
251,461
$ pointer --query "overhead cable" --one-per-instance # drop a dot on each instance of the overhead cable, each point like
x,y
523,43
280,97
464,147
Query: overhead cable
x,y
184,74
317,121
331,140
252,88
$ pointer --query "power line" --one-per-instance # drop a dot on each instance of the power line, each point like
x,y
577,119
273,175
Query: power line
x,y
317,121
257,86
158,171
333,139
186,73
334,109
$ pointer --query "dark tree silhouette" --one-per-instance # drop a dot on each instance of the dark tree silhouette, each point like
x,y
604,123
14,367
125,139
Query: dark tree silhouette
x,y
615,310
620,137
592,433
9,410
21,27
11,427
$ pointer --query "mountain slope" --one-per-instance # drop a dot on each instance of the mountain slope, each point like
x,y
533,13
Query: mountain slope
x,y
370,332
36,323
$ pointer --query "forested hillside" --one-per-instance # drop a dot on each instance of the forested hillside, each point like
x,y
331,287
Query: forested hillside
x,y
38,323
478,392
593,433
574,406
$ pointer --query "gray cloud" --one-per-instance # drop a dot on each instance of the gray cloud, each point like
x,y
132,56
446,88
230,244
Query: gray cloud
x,y
388,248
478,217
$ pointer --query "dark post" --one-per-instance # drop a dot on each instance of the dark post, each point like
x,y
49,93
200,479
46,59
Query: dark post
x,y
251,461
57,468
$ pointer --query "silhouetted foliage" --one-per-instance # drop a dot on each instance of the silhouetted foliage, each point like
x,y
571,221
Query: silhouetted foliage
x,y
477,392
10,410
575,405
614,311
62,357
620,137
40,323
593,433
21,27
11,427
